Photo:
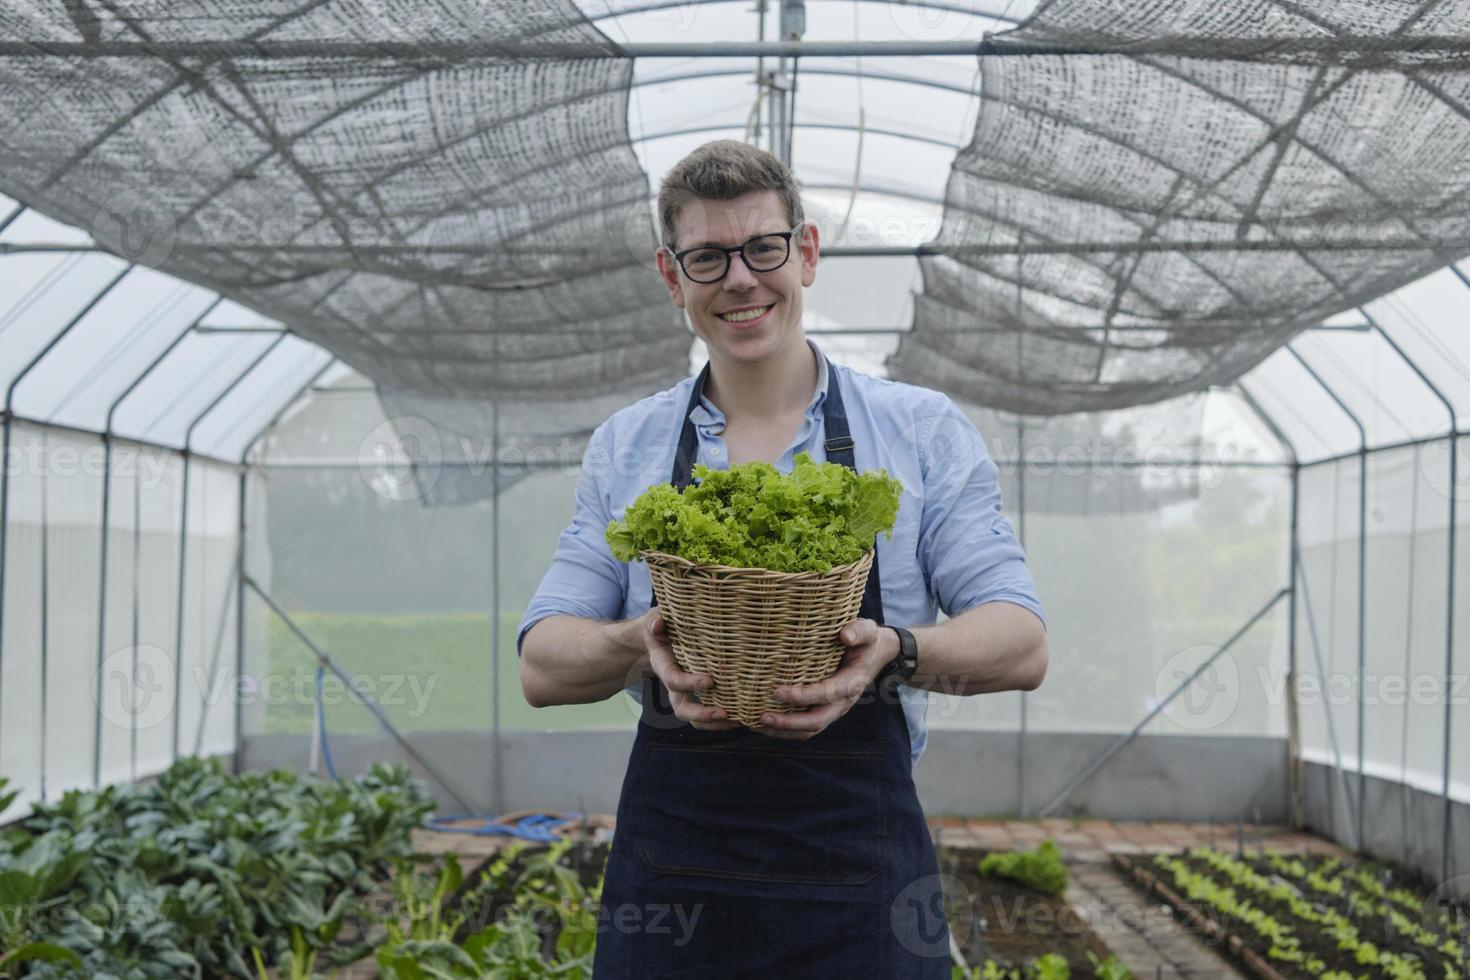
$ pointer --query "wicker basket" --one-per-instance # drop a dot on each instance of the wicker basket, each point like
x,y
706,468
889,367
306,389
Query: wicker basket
x,y
753,630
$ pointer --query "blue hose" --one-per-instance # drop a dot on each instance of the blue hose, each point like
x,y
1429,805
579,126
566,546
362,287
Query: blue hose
x,y
534,827
321,720
540,827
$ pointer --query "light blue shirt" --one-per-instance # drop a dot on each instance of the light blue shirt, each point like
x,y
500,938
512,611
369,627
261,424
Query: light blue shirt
x,y
951,548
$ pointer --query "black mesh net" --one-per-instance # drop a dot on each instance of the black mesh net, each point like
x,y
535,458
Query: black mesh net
x,y
1133,225
457,227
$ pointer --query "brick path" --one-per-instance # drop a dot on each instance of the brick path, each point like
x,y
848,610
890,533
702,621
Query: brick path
x,y
1082,840
1093,840
1142,932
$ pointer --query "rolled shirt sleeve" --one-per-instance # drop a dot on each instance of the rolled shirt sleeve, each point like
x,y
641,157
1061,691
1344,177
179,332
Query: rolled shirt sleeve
x,y
966,545
584,578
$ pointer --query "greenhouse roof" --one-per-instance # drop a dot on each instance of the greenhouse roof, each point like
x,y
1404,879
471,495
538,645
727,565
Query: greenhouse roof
x,y
1100,208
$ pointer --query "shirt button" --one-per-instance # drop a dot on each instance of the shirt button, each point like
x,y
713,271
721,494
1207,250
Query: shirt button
x,y
714,450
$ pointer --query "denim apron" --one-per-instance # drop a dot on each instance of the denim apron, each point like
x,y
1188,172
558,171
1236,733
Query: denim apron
x,y
738,854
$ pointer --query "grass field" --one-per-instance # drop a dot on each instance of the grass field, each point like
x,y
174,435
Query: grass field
x,y
429,672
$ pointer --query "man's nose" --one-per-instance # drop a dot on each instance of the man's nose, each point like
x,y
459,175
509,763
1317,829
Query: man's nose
x,y
739,279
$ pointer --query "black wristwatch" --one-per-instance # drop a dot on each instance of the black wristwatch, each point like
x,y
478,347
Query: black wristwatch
x,y
898,670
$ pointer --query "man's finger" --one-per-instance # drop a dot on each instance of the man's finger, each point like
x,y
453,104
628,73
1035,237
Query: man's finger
x,y
857,632
846,683
661,659
700,715
715,726
776,731
810,722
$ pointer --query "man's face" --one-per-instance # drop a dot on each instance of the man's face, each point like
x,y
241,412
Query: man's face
x,y
731,223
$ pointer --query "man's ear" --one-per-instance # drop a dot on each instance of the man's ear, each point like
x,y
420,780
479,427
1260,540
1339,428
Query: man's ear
x,y
668,270
811,248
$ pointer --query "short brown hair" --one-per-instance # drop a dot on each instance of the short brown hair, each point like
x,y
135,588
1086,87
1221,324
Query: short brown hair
x,y
722,170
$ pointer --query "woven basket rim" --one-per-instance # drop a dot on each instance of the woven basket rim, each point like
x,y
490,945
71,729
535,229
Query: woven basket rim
x,y
650,555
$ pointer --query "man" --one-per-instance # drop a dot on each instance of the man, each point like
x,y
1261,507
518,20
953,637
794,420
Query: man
x,y
796,847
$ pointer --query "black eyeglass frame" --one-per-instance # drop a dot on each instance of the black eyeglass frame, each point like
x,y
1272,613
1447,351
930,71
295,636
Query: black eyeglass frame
x,y
729,250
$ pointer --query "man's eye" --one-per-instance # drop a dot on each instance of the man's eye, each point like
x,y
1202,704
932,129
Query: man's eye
x,y
704,257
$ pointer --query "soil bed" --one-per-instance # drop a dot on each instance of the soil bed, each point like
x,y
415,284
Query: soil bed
x,y
1380,917
998,919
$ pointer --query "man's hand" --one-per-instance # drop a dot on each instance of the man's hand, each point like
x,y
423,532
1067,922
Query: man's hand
x,y
683,686
869,648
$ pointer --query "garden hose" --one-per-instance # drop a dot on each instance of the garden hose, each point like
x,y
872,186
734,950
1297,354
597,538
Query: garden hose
x,y
321,720
531,825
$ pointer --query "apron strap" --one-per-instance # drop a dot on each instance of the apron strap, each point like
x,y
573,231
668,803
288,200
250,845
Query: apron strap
x,y
839,448
688,437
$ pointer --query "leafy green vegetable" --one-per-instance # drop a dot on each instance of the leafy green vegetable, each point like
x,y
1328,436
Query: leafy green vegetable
x,y
1041,869
196,872
547,929
1109,969
817,517
1052,966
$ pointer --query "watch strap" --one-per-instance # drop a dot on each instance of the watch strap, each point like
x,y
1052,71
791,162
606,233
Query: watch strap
x,y
906,662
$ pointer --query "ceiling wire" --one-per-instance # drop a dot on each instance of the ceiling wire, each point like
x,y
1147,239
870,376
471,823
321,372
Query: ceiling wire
x,y
752,120
857,163
637,102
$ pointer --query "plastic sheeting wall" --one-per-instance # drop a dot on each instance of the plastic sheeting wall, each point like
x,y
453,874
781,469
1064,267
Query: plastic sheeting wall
x,y
1144,573
1401,693
1460,719
398,594
343,528
49,678
1136,600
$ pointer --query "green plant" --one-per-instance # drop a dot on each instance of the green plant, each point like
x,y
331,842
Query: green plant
x,y
36,953
1041,869
1052,966
36,875
547,929
819,516
299,963
1110,968
189,875
1284,944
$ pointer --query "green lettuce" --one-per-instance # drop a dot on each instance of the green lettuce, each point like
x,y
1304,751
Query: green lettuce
x,y
817,517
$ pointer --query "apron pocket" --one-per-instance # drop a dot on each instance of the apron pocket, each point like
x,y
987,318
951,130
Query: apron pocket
x,y
799,812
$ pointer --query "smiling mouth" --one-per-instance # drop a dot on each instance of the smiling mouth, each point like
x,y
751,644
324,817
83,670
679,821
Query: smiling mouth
x,y
745,316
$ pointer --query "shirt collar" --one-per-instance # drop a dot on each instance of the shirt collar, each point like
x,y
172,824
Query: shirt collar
x,y
707,413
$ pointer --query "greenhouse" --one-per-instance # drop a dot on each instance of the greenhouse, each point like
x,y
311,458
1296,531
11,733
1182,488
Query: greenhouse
x,y
313,318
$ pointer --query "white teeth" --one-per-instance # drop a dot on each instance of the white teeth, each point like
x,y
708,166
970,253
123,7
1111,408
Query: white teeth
x,y
745,315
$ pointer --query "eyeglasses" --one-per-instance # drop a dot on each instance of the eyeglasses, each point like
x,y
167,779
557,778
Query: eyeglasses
x,y
763,253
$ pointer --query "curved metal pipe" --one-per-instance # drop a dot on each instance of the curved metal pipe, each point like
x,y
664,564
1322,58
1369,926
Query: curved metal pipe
x,y
1362,571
